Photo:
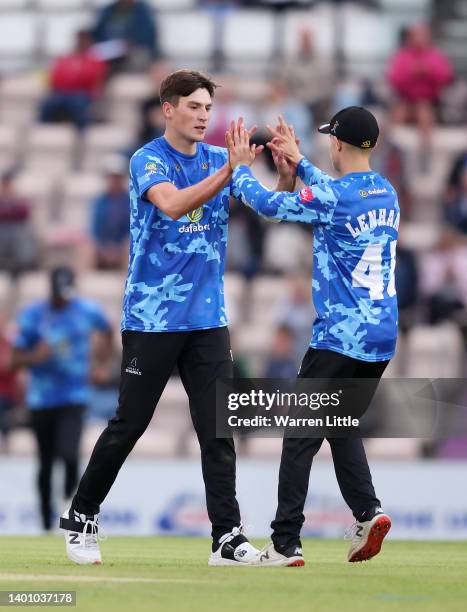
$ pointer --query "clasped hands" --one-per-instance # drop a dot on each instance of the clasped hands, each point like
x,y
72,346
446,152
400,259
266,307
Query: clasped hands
x,y
284,146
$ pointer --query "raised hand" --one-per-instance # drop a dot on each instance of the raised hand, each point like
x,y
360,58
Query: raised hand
x,y
285,142
238,143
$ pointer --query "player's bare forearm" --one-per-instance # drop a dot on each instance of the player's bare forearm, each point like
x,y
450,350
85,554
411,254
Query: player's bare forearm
x,y
177,202
22,358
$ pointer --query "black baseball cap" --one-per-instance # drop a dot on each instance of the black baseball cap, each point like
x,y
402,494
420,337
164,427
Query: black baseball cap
x,y
354,125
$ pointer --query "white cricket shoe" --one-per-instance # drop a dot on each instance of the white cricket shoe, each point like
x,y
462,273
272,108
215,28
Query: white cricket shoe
x,y
233,549
81,537
367,537
270,557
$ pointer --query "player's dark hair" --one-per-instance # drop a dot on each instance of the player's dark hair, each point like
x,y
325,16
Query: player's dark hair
x,y
183,83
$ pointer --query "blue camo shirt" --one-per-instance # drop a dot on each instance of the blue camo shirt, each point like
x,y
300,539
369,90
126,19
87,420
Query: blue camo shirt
x,y
356,220
64,377
176,268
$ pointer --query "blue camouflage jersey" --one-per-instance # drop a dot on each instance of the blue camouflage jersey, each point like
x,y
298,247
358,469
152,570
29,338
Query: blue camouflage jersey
x,y
176,268
356,220
64,378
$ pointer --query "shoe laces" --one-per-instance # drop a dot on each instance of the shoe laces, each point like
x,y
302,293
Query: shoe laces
x,y
91,538
236,531
351,531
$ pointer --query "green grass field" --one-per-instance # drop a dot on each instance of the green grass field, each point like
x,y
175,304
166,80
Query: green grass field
x,y
171,575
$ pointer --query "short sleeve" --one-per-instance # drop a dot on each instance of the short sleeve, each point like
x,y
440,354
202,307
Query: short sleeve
x,y
148,169
26,336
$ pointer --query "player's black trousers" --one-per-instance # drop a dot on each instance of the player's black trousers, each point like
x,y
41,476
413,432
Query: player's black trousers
x,y
350,463
58,434
147,363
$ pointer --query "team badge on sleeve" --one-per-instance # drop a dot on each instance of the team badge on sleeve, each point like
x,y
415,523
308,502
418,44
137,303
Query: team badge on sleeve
x,y
306,195
151,167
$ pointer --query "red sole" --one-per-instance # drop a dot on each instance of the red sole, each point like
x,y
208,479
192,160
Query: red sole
x,y
376,536
298,563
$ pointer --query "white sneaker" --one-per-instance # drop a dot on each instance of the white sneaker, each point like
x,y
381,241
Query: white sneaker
x,y
233,549
270,557
367,537
81,537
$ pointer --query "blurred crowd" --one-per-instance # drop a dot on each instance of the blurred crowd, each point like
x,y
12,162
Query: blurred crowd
x,y
418,91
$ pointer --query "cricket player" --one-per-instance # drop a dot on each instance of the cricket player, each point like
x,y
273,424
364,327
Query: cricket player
x,y
54,343
355,219
173,314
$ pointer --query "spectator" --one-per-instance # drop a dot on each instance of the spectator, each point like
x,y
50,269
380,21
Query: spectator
x,y
443,281
308,76
76,80
282,362
279,100
246,232
152,123
418,72
297,313
54,344
111,219
456,202
390,161
455,176
9,387
19,248
129,23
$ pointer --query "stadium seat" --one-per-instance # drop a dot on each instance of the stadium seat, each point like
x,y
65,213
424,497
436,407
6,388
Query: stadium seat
x,y
318,20
366,34
8,146
102,286
234,287
60,29
164,5
186,35
7,5
100,141
267,295
18,34
32,286
50,5
77,195
19,98
435,351
52,138
40,190
287,248
125,93
5,291
50,148
249,35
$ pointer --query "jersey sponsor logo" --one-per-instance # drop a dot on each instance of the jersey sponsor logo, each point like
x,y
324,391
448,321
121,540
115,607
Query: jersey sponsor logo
x,y
151,168
204,166
306,195
194,228
372,192
132,368
195,215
